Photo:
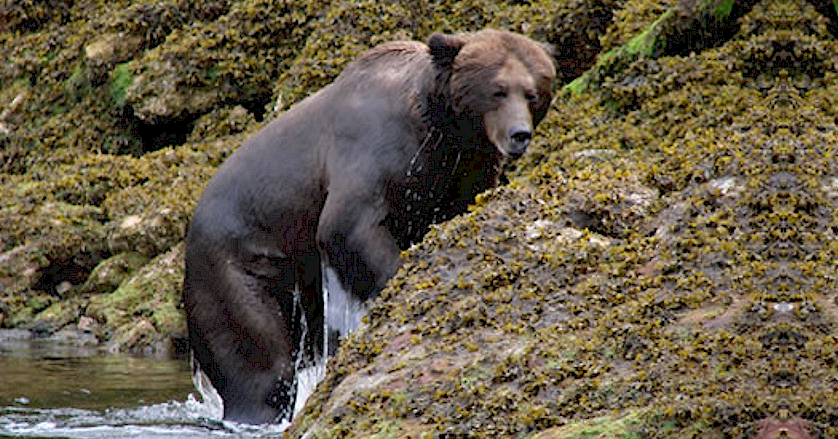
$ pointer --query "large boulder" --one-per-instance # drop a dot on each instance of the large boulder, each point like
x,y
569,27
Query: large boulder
x,y
661,267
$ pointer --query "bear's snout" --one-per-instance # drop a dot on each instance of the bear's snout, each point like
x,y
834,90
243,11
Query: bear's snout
x,y
519,138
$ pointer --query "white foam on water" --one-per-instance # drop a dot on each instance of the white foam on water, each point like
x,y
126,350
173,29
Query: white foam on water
x,y
307,380
211,402
166,420
343,310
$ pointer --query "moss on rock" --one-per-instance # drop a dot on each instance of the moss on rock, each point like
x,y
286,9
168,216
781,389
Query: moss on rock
x,y
58,315
110,273
142,313
706,307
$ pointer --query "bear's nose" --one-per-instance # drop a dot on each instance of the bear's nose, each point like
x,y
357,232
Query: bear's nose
x,y
521,136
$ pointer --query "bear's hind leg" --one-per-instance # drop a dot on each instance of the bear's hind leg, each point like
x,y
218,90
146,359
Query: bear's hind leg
x,y
239,334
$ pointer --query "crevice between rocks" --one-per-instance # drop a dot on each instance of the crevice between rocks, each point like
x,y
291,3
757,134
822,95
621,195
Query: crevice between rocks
x,y
65,273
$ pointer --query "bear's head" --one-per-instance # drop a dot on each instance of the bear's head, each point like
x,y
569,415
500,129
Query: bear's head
x,y
497,81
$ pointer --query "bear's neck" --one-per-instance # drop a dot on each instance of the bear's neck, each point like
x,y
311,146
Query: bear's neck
x,y
439,111
439,117
453,162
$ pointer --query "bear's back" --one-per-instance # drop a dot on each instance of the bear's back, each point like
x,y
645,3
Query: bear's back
x,y
399,66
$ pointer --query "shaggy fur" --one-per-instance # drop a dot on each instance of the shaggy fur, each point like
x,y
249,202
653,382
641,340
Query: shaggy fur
x,y
405,137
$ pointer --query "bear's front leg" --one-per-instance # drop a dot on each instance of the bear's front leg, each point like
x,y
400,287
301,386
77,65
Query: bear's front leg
x,y
356,245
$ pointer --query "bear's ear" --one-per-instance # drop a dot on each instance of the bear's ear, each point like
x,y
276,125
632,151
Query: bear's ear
x,y
444,48
549,48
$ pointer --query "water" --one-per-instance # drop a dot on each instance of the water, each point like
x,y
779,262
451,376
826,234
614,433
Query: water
x,y
50,389
55,388
343,310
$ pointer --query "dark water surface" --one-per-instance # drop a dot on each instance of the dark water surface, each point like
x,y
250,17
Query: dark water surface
x,y
51,389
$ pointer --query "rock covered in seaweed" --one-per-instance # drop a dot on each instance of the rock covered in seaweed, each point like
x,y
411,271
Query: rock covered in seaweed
x,y
116,114
709,313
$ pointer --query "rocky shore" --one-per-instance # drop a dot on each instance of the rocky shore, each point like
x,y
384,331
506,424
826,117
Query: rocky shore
x,y
661,265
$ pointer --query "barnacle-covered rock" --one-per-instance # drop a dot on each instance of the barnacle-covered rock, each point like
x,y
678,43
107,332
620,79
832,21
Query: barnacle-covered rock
x,y
706,314
231,60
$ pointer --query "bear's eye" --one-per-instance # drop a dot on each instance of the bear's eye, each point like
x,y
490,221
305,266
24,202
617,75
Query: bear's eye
x,y
531,97
500,94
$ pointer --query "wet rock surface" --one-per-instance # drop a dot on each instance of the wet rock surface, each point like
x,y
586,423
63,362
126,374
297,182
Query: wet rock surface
x,y
696,298
660,264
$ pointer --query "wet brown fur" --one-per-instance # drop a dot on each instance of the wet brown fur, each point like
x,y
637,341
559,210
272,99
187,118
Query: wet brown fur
x,y
350,176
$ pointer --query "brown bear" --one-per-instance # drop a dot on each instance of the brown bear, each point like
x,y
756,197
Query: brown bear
x,y
405,137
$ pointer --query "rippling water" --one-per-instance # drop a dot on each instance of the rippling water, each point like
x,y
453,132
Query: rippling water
x,y
51,388
54,390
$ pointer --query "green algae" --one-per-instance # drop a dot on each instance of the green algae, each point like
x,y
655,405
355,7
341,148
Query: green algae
x,y
723,9
109,274
643,44
640,46
58,315
143,300
120,80
618,426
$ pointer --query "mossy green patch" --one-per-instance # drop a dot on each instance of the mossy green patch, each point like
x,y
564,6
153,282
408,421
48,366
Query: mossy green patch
x,y
38,302
111,272
618,426
150,295
577,86
77,85
168,319
644,43
58,315
724,8
121,79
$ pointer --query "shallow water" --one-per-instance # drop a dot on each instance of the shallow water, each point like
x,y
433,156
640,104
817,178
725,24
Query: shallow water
x,y
55,390
63,387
